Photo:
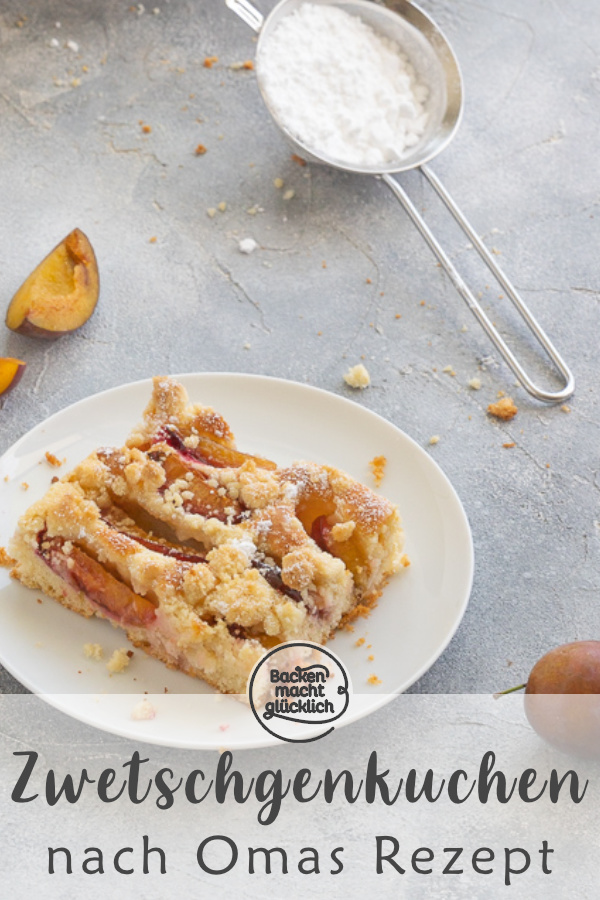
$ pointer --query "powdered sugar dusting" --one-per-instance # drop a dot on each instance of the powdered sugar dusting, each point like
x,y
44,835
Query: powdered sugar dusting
x,y
342,88
246,546
263,527
290,491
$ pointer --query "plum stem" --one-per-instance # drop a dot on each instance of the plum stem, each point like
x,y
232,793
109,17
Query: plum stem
x,y
511,690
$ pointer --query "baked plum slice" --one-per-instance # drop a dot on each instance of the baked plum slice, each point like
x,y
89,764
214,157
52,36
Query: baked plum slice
x,y
83,573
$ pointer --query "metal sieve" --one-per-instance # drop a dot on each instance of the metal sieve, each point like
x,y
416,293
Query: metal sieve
x,y
436,66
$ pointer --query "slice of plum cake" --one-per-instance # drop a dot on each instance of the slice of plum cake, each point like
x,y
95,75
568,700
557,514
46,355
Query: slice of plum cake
x,y
206,556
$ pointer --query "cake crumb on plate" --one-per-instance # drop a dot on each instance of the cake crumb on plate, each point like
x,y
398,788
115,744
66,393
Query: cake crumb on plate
x,y
377,466
143,711
6,561
119,661
93,651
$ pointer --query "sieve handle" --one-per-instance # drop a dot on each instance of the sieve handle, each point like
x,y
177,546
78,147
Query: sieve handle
x,y
471,300
247,13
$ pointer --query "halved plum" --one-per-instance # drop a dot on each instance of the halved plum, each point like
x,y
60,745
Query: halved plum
x,y
11,371
61,293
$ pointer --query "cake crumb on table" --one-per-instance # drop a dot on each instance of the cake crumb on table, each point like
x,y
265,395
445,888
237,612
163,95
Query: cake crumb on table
x,y
357,377
374,680
53,460
504,409
405,561
434,439
377,466
119,661
93,651
566,408
509,445
359,642
475,384
370,658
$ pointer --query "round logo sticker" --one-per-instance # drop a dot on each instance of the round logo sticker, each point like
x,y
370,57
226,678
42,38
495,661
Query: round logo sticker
x,y
299,684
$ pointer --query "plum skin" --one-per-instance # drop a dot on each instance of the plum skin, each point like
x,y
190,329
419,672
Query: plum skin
x,y
562,699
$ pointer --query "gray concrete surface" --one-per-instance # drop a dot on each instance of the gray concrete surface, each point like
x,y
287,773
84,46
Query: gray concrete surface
x,y
524,166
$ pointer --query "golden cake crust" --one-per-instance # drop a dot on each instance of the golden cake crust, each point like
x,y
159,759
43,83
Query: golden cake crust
x,y
207,556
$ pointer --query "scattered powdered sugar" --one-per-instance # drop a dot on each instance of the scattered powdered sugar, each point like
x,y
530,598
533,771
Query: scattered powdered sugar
x,y
247,245
263,527
342,88
290,491
246,546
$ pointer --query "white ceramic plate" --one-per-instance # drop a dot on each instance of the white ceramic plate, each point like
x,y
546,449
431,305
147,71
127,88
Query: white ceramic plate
x,y
42,644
